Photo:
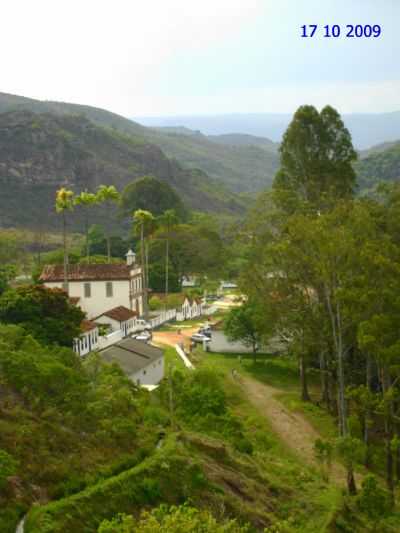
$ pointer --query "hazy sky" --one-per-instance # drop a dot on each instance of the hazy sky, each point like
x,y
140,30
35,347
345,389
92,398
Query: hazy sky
x,y
156,57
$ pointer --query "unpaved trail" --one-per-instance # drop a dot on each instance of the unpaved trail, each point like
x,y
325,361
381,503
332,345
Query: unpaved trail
x,y
294,430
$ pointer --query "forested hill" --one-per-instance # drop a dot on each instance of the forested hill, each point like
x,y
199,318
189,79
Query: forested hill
x,y
381,163
242,163
39,152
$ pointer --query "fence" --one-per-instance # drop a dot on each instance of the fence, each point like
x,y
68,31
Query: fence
x,y
209,310
163,317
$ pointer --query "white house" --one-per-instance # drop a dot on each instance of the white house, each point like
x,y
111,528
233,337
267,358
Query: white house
x,y
119,318
89,338
196,308
142,362
99,287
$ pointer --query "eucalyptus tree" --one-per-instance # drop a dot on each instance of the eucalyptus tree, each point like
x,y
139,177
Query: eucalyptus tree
x,y
109,197
142,220
86,200
316,157
64,203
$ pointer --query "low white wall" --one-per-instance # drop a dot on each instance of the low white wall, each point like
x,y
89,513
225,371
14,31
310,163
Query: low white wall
x,y
112,338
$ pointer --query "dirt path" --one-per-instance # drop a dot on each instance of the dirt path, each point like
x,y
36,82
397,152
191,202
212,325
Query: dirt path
x,y
170,338
297,433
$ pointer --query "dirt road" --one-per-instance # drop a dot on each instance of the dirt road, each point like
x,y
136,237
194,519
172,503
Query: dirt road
x,y
294,430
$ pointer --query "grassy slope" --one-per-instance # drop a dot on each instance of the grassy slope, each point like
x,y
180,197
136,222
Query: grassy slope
x,y
269,486
245,168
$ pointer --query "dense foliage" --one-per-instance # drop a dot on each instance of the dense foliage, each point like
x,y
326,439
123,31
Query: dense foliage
x,y
329,282
151,194
46,314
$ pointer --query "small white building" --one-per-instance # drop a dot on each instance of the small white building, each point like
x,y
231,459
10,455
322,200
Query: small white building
x,y
119,318
99,287
89,338
143,363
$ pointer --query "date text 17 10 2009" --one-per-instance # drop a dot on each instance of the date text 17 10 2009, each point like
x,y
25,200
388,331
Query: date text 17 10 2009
x,y
351,30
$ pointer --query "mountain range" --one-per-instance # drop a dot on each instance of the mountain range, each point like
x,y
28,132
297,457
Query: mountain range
x,y
367,129
44,145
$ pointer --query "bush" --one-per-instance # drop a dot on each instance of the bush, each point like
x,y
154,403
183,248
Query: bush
x,y
373,499
8,467
175,519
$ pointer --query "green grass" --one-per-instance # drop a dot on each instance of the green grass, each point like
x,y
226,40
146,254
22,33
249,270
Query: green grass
x,y
171,358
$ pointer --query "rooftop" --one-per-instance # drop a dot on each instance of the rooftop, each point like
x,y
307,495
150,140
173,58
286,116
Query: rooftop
x,y
120,313
131,355
87,325
106,272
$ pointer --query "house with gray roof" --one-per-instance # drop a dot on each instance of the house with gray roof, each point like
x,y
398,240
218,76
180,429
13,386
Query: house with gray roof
x,y
143,363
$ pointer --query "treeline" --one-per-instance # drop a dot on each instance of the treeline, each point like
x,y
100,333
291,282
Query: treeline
x,y
324,274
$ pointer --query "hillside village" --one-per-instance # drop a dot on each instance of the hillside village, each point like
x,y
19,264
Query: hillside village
x,y
198,332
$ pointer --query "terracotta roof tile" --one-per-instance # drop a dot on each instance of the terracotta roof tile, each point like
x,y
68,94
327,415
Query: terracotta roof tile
x,y
106,272
120,313
87,325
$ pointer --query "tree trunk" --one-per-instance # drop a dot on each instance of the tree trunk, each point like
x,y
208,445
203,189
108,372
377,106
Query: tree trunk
x,y
87,237
303,377
351,483
166,269
337,334
65,253
324,380
142,256
108,239
367,457
386,384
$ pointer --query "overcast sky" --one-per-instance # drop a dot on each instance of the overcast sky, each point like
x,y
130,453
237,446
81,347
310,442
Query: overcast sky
x,y
167,57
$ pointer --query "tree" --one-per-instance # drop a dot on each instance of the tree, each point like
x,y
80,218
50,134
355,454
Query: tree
x,y
141,220
168,220
109,197
86,200
47,314
153,195
241,325
65,203
316,161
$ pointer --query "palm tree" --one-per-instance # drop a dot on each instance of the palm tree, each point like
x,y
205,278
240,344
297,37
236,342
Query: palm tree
x,y
109,196
143,220
168,220
86,200
64,203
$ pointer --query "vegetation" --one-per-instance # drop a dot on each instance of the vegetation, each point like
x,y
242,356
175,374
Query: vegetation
x,y
152,195
324,267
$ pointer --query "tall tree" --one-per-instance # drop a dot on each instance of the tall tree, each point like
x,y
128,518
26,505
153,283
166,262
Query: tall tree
x,y
109,197
65,203
141,220
316,161
86,200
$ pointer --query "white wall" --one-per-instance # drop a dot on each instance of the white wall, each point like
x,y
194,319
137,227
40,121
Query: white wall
x,y
98,301
152,374
87,342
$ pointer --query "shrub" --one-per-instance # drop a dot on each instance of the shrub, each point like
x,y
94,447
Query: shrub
x,y
374,500
8,467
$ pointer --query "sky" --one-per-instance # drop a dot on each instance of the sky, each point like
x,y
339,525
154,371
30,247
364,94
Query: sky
x,y
177,57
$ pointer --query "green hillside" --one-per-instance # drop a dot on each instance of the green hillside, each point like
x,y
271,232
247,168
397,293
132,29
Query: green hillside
x,y
242,163
39,152
380,164
241,167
